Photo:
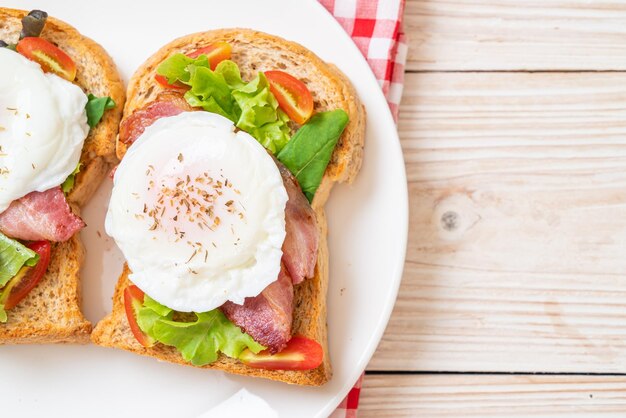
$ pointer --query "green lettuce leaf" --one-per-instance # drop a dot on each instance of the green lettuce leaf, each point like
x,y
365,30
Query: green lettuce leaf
x,y
199,341
251,106
260,116
68,184
175,67
3,314
161,310
307,154
230,71
95,108
13,256
151,312
210,91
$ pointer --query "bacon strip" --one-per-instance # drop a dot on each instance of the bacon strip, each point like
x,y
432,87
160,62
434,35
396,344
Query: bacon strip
x,y
302,239
267,318
167,103
40,216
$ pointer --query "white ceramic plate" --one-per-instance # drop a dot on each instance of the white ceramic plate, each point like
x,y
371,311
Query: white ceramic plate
x,y
367,223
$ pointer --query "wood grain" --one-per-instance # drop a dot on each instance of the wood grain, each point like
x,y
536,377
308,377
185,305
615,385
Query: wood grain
x,y
455,35
516,258
481,396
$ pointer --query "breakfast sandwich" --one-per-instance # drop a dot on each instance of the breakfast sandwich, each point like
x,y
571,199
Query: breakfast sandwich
x,y
230,143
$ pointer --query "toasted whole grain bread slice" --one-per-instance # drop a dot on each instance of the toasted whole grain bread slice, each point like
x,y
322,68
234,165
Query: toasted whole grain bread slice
x,y
51,311
255,51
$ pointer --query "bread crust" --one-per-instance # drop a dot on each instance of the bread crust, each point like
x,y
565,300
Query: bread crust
x,y
256,51
33,320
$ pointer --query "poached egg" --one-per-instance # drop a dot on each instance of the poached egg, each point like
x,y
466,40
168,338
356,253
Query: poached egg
x,y
198,212
43,126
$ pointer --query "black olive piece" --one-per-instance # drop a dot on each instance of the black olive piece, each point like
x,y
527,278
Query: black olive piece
x,y
33,23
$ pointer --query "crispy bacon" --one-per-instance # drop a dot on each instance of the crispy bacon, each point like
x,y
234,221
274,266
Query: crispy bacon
x,y
167,103
302,239
267,317
40,216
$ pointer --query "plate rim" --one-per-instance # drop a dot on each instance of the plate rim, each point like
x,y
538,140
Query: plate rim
x,y
385,316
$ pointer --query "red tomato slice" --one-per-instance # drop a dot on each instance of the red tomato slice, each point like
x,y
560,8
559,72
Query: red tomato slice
x,y
215,52
133,300
301,353
177,85
50,57
292,94
28,277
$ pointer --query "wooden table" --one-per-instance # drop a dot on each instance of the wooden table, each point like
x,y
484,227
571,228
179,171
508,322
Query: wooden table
x,y
513,301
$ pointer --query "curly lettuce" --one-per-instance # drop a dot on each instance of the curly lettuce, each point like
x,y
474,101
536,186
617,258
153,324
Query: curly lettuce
x,y
13,256
251,106
68,184
199,341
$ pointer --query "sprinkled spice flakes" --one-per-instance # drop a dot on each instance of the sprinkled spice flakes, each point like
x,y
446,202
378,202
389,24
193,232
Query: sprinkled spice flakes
x,y
192,201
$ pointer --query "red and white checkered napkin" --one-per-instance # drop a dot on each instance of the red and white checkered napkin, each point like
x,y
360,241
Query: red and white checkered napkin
x,y
376,28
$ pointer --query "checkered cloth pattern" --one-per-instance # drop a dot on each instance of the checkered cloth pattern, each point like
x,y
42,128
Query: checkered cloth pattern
x,y
376,28
349,406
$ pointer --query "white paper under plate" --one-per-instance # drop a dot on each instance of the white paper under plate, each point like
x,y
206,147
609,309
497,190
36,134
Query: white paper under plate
x,y
367,223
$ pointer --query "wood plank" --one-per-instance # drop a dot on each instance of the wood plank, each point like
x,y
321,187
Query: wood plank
x,y
514,35
516,257
492,396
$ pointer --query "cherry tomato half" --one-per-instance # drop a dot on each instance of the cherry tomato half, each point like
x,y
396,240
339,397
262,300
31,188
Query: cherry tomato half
x,y
51,58
133,300
177,85
292,94
301,353
215,52
28,277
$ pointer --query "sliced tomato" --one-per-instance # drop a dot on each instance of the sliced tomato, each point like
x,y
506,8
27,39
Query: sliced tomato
x,y
292,94
177,85
301,353
133,300
215,52
51,58
28,277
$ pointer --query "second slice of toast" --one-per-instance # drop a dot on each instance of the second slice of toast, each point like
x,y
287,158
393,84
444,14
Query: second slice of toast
x,y
51,311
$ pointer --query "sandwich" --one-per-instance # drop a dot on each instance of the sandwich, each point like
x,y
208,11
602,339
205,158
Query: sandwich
x,y
61,101
230,143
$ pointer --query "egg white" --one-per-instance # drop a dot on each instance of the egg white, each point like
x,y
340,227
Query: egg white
x,y
183,260
43,126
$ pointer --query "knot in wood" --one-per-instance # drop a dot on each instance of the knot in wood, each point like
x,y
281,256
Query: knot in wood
x,y
450,220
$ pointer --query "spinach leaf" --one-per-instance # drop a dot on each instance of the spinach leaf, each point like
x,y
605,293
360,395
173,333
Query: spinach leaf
x,y
95,108
308,153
